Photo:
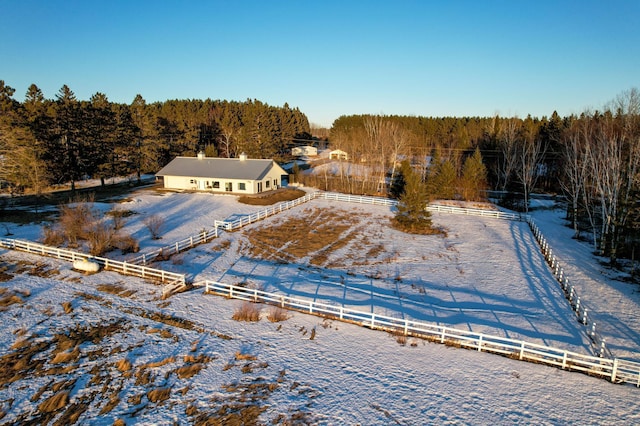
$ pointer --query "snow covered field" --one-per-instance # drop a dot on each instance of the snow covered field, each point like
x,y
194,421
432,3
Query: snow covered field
x,y
486,275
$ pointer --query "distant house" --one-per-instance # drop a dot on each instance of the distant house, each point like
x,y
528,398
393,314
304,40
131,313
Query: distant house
x,y
338,154
229,175
309,151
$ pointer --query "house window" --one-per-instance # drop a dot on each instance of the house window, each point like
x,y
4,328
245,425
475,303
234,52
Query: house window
x,y
275,183
193,181
228,186
266,184
242,187
216,184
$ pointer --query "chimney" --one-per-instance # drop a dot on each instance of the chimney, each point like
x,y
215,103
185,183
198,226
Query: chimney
x,y
201,155
243,156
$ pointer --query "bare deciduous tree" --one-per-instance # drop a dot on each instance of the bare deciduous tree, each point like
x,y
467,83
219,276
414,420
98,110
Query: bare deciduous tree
x,y
508,141
530,154
155,225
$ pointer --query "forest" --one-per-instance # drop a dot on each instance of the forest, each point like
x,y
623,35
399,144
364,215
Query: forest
x,y
591,159
45,142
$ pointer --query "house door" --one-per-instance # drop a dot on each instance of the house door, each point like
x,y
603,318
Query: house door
x,y
201,185
259,186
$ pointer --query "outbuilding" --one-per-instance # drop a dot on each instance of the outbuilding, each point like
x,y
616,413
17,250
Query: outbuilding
x,y
307,150
240,175
338,154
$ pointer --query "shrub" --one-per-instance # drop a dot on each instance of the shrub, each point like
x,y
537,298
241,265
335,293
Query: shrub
x,y
248,311
155,225
277,314
118,216
74,221
127,244
100,237
52,236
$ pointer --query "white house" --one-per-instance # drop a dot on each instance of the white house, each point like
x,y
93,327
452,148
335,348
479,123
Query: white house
x,y
338,154
230,175
309,151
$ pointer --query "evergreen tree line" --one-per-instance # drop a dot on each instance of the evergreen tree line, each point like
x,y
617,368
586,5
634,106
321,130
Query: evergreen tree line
x,y
51,141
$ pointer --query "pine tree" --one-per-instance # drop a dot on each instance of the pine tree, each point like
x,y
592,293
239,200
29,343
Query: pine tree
x,y
474,177
442,179
412,215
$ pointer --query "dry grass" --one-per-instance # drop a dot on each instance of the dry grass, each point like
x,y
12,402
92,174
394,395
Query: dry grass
x,y
4,275
288,194
165,319
239,356
66,356
54,402
277,314
116,289
126,244
159,395
110,405
67,307
319,234
124,365
157,364
417,228
248,311
188,371
8,298
222,245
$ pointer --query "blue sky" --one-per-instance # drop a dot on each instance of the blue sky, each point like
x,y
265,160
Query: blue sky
x,y
329,58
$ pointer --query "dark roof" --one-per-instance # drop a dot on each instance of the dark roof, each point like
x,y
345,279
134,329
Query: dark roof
x,y
223,168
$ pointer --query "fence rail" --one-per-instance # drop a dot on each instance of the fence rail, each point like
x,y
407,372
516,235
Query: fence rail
x,y
571,294
124,268
361,199
616,370
175,248
262,214
496,214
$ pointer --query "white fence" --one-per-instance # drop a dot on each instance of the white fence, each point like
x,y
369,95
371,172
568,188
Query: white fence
x,y
335,196
615,370
361,199
496,214
177,247
578,306
262,214
124,268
